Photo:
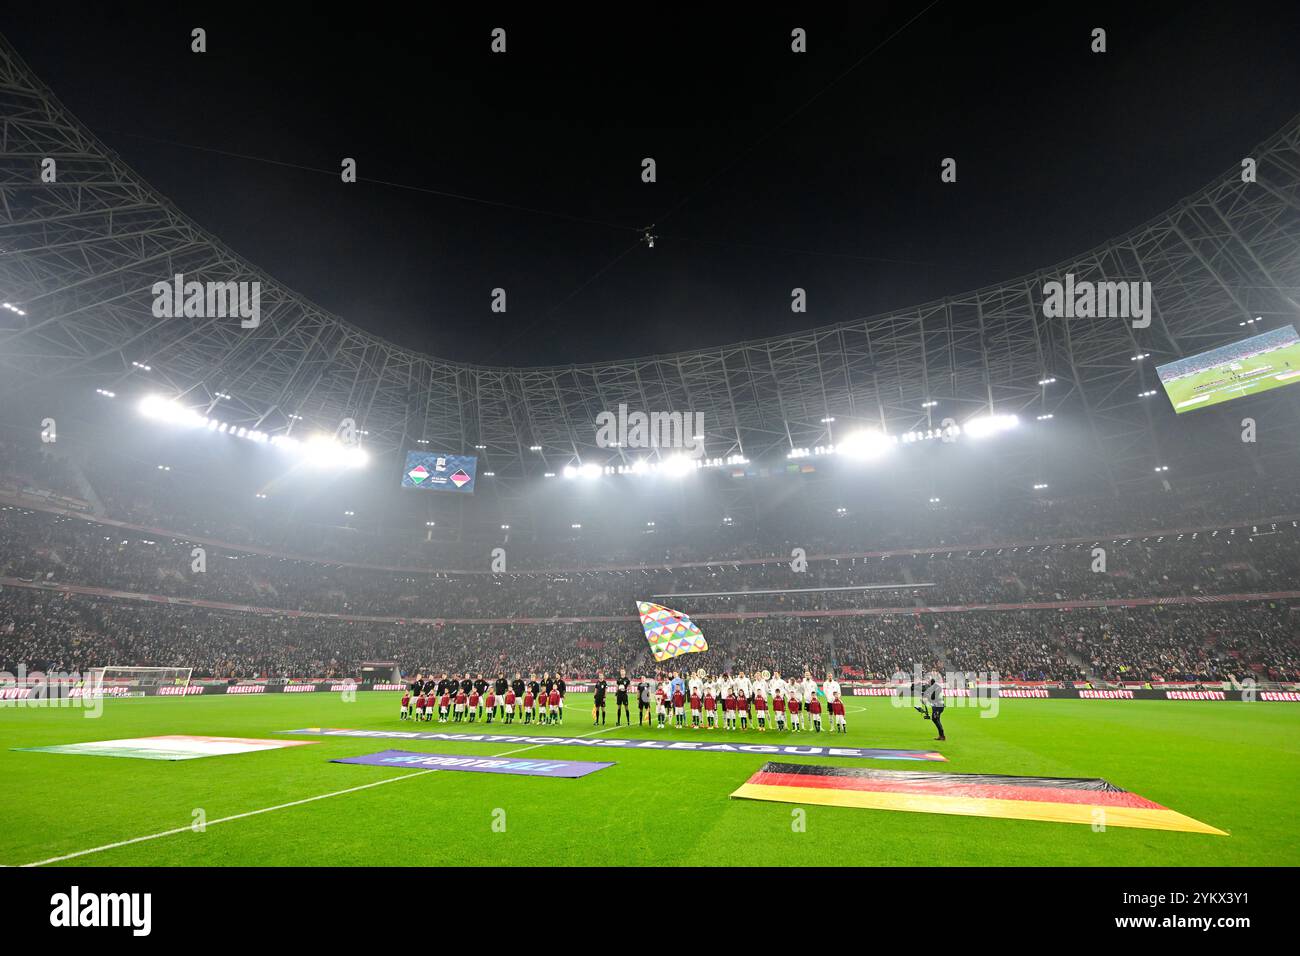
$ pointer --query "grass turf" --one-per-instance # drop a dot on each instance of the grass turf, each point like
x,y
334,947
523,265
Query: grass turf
x,y
1233,765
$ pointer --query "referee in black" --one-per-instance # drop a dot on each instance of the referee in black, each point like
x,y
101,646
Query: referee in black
x,y
620,698
598,689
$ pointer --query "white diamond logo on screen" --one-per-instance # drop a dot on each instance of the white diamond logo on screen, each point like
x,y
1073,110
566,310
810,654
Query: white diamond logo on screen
x,y
459,478
418,474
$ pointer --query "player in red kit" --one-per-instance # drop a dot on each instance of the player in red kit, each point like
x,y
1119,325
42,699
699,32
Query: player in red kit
x,y
815,713
778,710
760,712
837,711
557,715
490,701
510,705
528,706
679,707
444,706
473,703
695,710
406,704
710,708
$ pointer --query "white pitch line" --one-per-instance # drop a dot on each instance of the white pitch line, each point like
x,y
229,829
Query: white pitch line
x,y
282,806
237,816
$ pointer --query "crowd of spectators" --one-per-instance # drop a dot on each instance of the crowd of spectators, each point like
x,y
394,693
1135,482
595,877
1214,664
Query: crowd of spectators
x,y
434,618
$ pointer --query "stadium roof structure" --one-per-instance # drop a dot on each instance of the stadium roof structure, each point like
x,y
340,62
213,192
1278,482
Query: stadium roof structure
x,y
80,256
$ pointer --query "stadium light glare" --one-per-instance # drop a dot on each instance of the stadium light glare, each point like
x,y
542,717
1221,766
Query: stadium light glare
x,y
865,445
1041,486
163,410
987,425
328,452
1048,417
678,466
105,392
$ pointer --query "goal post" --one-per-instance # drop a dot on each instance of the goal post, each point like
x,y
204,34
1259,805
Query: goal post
x,y
104,680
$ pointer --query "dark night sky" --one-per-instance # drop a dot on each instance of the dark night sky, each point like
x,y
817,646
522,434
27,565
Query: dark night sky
x,y
1058,149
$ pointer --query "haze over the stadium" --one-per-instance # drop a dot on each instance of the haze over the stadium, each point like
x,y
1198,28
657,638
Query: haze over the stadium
x,y
775,170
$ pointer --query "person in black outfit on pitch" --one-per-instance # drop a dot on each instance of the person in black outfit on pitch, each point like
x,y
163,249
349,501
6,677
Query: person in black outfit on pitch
x,y
598,691
620,698
499,688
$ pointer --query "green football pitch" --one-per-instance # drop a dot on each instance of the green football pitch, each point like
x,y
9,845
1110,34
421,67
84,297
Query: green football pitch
x,y
1223,382
1235,766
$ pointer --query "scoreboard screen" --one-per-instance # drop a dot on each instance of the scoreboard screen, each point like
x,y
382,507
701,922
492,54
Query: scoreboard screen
x,y
1253,365
439,471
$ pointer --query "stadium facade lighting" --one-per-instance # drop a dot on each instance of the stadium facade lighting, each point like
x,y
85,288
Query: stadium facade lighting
x,y
105,392
987,425
225,396
142,367
164,467
534,447
934,501
649,524
259,495
476,447
929,404
1140,356
1162,467
1148,393
548,474
1045,418
505,527
576,527
489,474
827,420
349,514
13,308
1040,486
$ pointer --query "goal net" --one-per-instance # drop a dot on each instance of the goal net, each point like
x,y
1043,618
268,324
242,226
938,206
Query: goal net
x,y
117,680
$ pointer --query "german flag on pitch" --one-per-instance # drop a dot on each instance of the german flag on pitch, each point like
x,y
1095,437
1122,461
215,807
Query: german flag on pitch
x,y
1053,799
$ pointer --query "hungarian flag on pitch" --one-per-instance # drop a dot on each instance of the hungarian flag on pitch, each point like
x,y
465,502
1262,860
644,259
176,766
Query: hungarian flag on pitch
x,y
670,632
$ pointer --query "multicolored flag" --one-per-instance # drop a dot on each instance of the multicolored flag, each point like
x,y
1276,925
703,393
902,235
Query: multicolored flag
x,y
670,632
1052,799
